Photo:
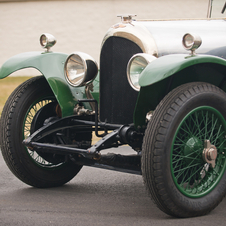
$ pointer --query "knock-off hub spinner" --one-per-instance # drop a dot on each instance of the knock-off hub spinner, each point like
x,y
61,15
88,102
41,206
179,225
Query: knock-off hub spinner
x,y
209,153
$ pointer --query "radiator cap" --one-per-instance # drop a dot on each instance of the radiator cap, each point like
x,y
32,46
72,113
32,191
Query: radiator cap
x,y
127,18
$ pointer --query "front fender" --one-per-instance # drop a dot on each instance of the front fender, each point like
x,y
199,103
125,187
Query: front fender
x,y
168,65
167,72
51,65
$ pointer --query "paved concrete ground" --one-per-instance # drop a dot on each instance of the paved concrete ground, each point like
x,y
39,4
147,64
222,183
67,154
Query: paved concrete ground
x,y
93,197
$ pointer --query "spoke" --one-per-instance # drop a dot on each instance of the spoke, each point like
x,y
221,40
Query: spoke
x,y
194,152
221,144
181,168
188,167
213,127
198,170
184,176
189,134
216,172
186,159
182,171
26,131
29,117
187,156
35,108
217,135
188,128
197,124
183,142
183,157
206,124
198,131
190,124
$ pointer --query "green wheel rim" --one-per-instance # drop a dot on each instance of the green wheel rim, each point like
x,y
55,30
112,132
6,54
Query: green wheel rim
x,y
192,175
41,162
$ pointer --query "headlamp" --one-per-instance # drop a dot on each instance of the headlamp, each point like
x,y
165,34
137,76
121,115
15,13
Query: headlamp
x,y
135,66
191,42
47,41
80,69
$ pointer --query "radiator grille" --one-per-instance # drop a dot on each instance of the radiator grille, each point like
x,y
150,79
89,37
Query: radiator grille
x,y
117,98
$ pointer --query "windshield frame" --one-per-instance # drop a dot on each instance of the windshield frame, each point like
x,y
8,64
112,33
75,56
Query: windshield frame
x,y
216,9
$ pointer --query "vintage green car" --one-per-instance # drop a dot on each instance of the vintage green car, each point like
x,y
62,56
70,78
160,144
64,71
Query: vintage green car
x,y
160,89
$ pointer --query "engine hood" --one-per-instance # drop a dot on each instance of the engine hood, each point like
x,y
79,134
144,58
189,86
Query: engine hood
x,y
164,37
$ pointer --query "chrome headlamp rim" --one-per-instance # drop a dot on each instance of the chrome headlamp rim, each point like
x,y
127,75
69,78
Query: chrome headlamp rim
x,y
147,58
89,75
47,41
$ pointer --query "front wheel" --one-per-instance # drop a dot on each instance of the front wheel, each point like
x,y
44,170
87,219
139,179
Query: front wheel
x,y
19,119
184,151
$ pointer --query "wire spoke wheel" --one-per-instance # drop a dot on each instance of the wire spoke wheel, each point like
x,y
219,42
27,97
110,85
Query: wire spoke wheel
x,y
192,175
26,110
183,155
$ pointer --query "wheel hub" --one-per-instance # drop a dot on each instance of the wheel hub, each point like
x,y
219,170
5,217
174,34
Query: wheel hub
x,y
209,153
192,146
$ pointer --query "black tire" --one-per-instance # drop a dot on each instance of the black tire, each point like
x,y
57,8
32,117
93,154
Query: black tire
x,y
27,165
179,179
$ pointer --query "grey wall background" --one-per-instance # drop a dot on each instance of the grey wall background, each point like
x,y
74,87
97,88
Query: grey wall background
x,y
78,25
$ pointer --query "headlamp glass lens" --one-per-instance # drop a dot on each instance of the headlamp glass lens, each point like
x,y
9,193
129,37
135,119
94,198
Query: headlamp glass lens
x,y
137,65
188,41
43,40
75,70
